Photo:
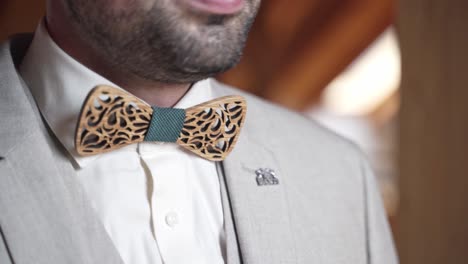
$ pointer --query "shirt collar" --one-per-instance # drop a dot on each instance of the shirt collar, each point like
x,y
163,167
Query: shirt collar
x,y
60,84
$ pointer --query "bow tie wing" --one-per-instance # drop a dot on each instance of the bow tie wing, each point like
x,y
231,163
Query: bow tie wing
x,y
110,119
211,129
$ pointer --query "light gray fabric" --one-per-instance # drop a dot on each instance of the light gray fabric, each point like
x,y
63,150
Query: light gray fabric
x,y
45,216
231,254
325,209
4,253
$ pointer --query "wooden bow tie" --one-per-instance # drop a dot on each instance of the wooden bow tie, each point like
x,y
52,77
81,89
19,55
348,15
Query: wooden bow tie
x,y
112,118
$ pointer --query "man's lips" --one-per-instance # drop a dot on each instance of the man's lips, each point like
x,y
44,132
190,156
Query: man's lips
x,y
219,7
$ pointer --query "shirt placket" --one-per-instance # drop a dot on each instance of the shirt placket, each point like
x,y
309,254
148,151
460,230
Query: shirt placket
x,y
172,217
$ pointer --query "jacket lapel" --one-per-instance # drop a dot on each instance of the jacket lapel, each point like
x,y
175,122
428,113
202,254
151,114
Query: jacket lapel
x,y
232,254
260,213
46,217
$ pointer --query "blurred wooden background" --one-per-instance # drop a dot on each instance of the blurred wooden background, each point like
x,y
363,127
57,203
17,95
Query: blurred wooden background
x,y
433,217
295,49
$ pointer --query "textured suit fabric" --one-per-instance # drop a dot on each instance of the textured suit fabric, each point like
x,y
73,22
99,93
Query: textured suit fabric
x,y
325,209
4,254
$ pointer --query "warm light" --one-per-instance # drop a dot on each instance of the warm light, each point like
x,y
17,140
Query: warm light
x,y
364,85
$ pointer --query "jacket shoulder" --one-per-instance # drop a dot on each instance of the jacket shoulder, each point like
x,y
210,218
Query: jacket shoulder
x,y
292,128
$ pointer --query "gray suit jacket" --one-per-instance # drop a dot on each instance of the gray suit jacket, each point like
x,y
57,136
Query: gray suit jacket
x,y
325,209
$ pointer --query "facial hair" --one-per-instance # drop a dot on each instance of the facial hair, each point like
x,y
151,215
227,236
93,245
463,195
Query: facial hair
x,y
163,42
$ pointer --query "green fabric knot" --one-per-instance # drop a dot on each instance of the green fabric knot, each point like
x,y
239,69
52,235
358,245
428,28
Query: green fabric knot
x,y
165,125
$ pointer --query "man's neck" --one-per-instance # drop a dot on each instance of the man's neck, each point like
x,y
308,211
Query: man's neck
x,y
154,93
157,94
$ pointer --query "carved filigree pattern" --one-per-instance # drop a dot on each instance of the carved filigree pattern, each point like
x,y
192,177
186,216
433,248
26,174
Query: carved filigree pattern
x,y
110,118
211,129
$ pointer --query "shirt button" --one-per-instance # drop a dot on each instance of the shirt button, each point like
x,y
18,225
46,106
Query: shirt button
x,y
172,219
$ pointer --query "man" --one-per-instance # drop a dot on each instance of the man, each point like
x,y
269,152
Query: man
x,y
289,192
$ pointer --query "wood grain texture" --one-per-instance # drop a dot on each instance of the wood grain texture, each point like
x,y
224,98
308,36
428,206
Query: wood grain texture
x,y
433,219
111,118
211,129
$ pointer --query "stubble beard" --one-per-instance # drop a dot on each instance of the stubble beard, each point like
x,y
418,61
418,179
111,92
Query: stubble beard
x,y
163,43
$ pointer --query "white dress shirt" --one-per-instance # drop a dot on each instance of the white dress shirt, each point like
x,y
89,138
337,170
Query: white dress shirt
x,y
158,202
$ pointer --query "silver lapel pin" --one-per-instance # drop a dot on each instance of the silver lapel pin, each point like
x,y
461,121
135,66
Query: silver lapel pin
x,y
266,176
